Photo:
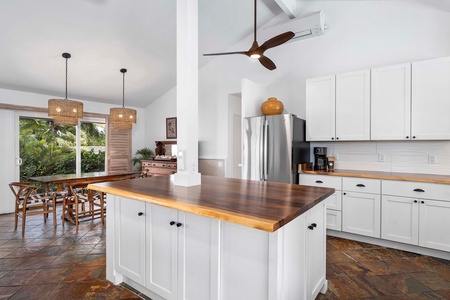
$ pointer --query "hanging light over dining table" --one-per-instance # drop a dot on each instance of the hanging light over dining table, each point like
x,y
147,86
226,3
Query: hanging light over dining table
x,y
65,111
121,117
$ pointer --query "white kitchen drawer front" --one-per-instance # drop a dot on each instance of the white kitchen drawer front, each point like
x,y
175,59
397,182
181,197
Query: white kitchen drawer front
x,y
362,185
321,180
334,220
423,190
334,201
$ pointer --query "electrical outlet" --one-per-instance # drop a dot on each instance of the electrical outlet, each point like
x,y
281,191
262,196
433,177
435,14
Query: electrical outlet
x,y
431,158
381,157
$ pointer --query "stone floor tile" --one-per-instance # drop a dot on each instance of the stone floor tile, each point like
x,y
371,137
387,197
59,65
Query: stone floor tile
x,y
7,291
379,267
406,284
345,288
432,280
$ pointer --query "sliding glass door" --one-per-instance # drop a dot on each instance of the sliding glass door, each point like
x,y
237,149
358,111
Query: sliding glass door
x,y
46,149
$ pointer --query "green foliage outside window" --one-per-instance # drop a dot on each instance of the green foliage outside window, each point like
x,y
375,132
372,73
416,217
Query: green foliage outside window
x,y
46,149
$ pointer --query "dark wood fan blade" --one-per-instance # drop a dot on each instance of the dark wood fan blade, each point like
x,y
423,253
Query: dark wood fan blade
x,y
267,62
277,40
226,53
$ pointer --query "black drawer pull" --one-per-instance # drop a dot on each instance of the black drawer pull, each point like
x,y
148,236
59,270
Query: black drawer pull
x,y
140,214
419,190
319,181
360,185
415,201
314,225
422,202
179,224
310,227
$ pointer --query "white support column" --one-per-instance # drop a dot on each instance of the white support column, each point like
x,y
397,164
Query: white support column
x,y
187,93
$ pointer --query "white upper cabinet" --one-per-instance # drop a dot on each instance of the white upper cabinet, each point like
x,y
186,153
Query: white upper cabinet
x,y
431,99
391,103
338,107
320,108
353,106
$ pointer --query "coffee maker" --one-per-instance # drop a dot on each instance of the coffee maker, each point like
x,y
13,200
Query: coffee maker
x,y
320,158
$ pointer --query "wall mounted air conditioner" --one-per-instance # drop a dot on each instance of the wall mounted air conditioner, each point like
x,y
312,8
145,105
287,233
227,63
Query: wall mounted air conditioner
x,y
304,27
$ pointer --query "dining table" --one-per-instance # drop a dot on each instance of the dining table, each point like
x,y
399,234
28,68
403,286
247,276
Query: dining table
x,y
61,181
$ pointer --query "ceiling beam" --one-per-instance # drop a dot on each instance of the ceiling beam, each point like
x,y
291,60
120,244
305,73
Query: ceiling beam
x,y
289,7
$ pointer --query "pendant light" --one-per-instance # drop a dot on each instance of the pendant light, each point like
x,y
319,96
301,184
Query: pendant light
x,y
64,111
123,118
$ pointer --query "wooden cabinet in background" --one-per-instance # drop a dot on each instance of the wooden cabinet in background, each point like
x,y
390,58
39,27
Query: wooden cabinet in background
x,y
159,168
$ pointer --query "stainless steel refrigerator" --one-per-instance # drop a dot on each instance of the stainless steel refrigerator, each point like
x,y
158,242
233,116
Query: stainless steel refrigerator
x,y
273,148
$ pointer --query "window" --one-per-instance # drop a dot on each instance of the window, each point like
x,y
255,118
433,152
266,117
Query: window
x,y
46,149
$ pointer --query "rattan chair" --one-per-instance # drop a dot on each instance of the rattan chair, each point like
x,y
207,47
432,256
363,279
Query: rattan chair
x,y
29,202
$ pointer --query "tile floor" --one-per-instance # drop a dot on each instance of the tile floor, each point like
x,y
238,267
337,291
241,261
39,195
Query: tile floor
x,y
49,264
363,271
63,264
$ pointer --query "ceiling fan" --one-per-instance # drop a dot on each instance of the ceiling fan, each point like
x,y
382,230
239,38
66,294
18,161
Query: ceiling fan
x,y
256,52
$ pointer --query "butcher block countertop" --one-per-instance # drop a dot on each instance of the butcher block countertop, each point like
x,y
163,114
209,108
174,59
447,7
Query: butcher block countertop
x,y
262,205
432,178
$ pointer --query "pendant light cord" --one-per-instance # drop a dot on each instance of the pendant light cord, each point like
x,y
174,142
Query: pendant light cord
x,y
66,76
123,91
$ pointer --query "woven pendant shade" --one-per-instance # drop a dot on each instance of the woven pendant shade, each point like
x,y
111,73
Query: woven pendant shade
x,y
65,111
123,118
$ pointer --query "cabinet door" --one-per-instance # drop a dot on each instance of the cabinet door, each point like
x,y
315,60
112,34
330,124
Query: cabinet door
x,y
431,99
130,238
315,250
162,251
361,213
353,106
434,224
391,103
400,219
334,220
320,108
197,257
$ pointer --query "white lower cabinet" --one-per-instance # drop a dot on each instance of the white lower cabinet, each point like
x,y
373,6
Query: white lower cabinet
x,y
164,250
400,220
361,213
361,206
169,254
130,239
408,217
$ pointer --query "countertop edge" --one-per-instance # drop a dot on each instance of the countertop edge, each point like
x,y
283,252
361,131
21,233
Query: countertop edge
x,y
268,225
432,178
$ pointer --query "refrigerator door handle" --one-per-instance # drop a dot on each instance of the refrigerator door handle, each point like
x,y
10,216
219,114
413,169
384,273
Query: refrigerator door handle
x,y
261,153
266,150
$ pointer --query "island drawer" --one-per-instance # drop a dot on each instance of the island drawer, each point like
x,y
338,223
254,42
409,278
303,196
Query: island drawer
x,y
361,185
421,190
321,180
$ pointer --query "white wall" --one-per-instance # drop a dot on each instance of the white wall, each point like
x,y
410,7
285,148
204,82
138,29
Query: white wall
x,y
363,34
156,114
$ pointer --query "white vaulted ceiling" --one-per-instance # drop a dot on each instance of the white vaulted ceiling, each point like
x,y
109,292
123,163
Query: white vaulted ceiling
x,y
104,36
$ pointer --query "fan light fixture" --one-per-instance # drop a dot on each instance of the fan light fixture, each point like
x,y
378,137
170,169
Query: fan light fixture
x,y
123,118
64,111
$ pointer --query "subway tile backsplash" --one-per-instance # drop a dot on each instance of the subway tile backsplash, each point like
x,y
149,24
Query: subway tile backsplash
x,y
399,156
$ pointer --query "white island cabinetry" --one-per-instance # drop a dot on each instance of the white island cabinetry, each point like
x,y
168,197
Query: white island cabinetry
x,y
169,254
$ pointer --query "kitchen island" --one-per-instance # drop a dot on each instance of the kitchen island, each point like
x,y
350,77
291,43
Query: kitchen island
x,y
225,239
